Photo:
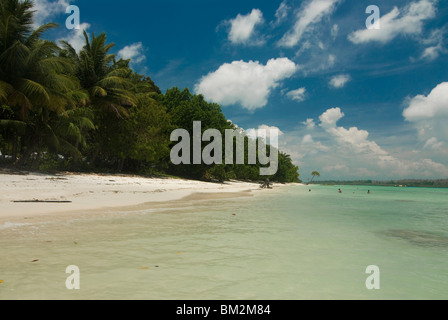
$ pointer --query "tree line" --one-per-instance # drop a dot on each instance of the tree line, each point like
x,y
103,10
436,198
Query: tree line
x,y
89,111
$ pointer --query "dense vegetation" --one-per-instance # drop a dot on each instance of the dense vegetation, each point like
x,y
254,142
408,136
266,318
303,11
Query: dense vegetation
x,y
87,111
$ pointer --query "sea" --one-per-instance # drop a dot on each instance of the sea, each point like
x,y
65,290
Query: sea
x,y
288,243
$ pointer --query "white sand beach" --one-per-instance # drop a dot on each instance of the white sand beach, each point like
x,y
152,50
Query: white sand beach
x,y
85,192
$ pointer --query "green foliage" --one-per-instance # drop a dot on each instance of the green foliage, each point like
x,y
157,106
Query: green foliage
x,y
184,108
217,172
287,171
62,109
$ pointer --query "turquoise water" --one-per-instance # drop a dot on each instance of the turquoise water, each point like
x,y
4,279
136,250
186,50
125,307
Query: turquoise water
x,y
286,243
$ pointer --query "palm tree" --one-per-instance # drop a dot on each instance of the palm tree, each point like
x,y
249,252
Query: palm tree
x,y
314,174
111,90
35,81
106,81
16,20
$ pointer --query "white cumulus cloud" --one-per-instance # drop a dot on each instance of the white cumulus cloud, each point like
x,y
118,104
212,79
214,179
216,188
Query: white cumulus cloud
x,y
330,117
309,143
309,123
355,147
352,153
246,83
424,107
429,114
135,52
340,81
355,138
47,10
405,21
76,37
242,28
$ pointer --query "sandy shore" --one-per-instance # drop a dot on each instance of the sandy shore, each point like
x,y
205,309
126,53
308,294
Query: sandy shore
x,y
86,192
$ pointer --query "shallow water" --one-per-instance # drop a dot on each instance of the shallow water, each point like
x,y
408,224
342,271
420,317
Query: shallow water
x,y
286,243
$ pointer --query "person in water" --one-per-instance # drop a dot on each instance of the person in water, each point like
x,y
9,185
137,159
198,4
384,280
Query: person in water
x,y
368,192
340,191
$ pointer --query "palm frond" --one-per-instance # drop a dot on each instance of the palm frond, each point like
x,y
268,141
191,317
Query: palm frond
x,y
5,91
18,99
115,82
67,148
36,35
36,90
97,91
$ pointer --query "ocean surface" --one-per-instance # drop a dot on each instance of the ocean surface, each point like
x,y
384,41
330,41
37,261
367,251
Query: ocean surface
x,y
282,244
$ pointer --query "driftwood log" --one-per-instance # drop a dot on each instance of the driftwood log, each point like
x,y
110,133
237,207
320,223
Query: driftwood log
x,y
40,201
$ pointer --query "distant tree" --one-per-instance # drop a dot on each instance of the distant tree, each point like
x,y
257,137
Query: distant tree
x,y
314,175
184,108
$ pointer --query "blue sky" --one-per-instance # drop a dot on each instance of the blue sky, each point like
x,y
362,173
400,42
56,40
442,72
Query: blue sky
x,y
350,102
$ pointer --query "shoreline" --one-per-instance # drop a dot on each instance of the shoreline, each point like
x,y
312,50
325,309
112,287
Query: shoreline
x,y
86,194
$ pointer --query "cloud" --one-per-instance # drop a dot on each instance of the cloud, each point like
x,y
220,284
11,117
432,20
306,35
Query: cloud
x,y
297,95
432,53
351,153
270,128
267,129
315,57
406,21
135,52
358,141
47,10
311,13
282,13
331,169
246,83
331,60
330,117
366,157
308,139
309,123
434,143
428,107
76,37
339,81
353,137
435,44
334,31
266,132
309,143
242,28
429,114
